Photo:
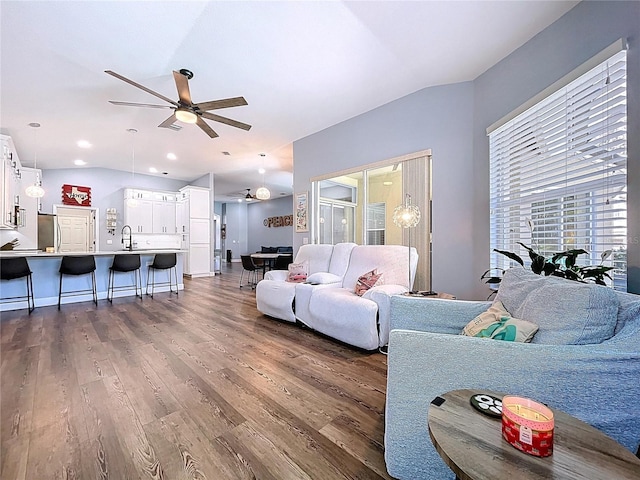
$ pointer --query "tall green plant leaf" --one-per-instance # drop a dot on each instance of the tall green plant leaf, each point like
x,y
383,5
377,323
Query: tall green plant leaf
x,y
510,255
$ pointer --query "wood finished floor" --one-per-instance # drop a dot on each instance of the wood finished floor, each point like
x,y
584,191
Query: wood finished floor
x,y
201,386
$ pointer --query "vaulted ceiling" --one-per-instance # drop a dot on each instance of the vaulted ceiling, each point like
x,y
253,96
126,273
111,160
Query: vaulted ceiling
x,y
301,66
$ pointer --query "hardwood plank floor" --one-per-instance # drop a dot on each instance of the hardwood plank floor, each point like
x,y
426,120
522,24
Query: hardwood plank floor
x,y
199,386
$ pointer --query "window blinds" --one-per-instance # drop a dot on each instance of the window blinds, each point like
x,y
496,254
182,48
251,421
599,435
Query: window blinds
x,y
558,173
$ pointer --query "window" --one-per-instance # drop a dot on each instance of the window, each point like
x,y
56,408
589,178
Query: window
x,y
558,173
357,204
376,223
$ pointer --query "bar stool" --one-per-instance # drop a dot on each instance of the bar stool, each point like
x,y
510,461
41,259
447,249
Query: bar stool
x,y
14,268
78,265
124,263
162,261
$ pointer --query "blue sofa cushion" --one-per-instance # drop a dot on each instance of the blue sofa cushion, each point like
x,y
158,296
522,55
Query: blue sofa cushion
x,y
567,312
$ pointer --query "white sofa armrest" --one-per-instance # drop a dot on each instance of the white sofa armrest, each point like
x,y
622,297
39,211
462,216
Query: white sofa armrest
x,y
382,295
277,275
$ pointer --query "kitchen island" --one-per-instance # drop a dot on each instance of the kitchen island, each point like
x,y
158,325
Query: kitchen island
x,y
46,277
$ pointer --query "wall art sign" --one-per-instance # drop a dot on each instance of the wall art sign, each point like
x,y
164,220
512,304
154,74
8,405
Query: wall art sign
x,y
281,221
302,212
76,195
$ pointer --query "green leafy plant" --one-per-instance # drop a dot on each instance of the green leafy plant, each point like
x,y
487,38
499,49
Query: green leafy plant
x,y
562,264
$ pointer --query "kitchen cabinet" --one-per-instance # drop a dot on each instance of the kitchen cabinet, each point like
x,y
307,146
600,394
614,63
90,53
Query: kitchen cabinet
x,y
138,210
150,212
11,173
194,223
164,213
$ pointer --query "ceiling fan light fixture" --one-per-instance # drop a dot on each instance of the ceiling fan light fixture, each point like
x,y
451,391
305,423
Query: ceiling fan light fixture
x,y
263,193
186,116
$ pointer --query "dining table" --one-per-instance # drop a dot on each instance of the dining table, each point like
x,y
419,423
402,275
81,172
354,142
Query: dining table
x,y
268,259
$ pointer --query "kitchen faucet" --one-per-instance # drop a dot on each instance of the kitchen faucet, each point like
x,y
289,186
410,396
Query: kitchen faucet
x,y
130,239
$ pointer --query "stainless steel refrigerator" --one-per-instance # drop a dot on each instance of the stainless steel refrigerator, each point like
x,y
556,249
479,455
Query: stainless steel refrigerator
x,y
48,234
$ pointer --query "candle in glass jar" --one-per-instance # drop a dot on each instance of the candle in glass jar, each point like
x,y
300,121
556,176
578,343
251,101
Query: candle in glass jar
x,y
527,425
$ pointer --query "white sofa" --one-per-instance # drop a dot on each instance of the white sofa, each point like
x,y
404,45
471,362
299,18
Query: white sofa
x,y
275,296
328,304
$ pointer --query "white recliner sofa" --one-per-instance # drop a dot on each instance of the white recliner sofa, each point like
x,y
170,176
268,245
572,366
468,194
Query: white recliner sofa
x,y
275,296
363,321
328,303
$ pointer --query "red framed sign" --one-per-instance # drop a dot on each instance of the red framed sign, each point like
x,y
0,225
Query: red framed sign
x,y
76,195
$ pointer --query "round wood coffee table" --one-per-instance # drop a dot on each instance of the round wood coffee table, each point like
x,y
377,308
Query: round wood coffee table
x,y
471,444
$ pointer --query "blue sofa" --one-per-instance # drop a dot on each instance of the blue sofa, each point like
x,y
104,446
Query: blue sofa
x,y
584,360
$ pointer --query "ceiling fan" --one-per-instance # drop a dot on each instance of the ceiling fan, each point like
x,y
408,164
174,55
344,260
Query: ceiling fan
x,y
184,109
246,196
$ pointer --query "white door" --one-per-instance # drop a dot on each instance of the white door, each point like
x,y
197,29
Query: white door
x,y
74,234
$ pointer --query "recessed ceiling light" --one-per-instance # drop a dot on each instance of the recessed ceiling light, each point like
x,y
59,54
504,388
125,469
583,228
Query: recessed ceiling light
x,y
84,144
239,200
79,162
172,156
153,169
261,171
386,184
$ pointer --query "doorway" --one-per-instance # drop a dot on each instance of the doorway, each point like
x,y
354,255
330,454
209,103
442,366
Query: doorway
x,y
76,228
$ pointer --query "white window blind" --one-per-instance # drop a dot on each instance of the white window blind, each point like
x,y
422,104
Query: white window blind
x,y
558,173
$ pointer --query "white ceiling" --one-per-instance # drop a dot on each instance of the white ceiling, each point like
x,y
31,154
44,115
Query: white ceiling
x,y
302,67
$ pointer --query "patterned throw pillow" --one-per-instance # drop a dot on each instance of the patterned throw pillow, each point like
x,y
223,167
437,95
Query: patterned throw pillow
x,y
298,272
498,324
367,281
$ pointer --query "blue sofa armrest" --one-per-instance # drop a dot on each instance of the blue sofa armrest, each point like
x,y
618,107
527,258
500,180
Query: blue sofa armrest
x,y
595,383
433,314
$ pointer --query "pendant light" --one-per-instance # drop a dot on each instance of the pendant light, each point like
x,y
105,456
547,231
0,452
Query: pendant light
x,y
263,192
35,190
131,201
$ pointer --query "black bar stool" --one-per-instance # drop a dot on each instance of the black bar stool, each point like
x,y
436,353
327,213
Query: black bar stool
x,y
124,263
162,261
78,265
13,268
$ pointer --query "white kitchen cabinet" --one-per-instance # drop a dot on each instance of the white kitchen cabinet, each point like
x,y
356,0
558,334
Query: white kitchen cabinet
x,y
164,216
195,226
150,212
11,173
199,230
197,260
138,210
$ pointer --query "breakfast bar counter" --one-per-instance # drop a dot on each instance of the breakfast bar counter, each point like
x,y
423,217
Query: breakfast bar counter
x,y
45,268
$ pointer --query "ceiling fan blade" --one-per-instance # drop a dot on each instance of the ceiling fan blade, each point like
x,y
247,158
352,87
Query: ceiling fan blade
x,y
206,128
146,105
223,103
228,121
141,87
169,121
182,84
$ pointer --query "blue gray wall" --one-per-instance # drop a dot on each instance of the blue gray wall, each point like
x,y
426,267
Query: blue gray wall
x,y
258,234
106,192
584,31
452,121
439,118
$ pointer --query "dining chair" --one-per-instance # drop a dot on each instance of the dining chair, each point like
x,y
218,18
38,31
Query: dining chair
x,y
251,269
